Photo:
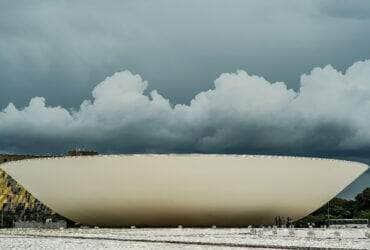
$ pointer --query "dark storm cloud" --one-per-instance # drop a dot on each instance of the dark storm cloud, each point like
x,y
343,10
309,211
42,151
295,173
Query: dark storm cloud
x,y
59,50
347,9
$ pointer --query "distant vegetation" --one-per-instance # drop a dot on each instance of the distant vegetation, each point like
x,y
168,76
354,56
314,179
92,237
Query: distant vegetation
x,y
340,209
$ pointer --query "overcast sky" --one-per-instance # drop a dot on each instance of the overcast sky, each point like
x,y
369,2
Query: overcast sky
x,y
282,77
61,49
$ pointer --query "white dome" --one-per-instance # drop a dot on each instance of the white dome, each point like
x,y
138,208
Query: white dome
x,y
188,190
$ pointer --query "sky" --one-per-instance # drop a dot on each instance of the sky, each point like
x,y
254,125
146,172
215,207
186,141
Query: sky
x,y
235,77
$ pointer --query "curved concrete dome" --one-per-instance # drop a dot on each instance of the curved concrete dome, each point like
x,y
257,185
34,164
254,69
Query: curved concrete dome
x,y
191,190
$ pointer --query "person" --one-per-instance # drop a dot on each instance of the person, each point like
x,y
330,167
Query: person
x,y
289,221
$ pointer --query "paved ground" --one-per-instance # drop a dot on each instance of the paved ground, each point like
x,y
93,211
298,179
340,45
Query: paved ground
x,y
185,238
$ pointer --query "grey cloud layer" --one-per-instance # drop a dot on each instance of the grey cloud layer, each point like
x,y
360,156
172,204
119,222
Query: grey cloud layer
x,y
242,113
59,49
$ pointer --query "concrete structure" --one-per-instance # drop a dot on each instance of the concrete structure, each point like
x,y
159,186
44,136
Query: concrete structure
x,y
188,190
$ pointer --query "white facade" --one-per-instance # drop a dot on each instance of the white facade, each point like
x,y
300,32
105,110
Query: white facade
x,y
188,190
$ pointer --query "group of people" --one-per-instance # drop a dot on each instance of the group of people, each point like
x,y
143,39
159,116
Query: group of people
x,y
280,221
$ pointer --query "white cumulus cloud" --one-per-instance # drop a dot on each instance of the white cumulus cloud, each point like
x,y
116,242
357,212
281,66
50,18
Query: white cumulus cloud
x,y
242,113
